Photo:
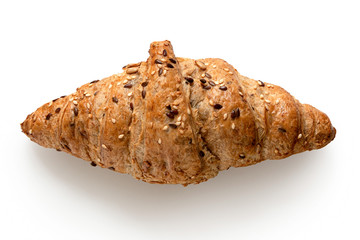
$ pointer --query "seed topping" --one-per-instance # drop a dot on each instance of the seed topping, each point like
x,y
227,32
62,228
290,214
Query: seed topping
x,y
95,81
93,164
201,154
207,87
128,85
164,53
261,84
172,125
200,64
282,130
144,84
212,83
189,79
223,88
235,113
203,80
172,60
207,75
160,71
121,136
143,93
48,116
57,110
157,61
169,65
242,156
76,111
217,106
132,70
115,100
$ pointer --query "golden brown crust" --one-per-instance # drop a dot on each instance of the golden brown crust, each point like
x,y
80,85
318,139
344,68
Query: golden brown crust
x,y
177,120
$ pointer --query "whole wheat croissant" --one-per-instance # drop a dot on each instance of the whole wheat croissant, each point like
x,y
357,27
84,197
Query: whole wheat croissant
x,y
178,120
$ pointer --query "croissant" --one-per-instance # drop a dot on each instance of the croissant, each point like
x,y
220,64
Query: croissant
x,y
178,120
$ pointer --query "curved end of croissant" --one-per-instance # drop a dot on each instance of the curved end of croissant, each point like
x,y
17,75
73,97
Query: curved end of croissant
x,y
322,130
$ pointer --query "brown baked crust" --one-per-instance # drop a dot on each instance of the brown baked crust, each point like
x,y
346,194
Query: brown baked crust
x,y
178,120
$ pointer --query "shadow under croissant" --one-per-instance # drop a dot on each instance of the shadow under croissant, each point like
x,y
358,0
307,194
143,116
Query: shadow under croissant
x,y
247,187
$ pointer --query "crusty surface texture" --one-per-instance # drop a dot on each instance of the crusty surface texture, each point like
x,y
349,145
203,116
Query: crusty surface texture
x,y
178,120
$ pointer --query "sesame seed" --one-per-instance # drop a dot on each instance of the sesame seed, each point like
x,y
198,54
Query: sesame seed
x,y
121,136
242,155
207,75
179,118
129,85
214,66
175,107
159,141
111,168
49,105
30,131
207,87
231,73
115,100
104,146
57,110
200,64
223,88
233,126
165,128
172,60
183,118
299,136
88,105
160,71
226,69
188,111
110,86
211,83
177,123
225,116
267,101
168,107
95,81
143,93
241,94
153,72
218,106
132,70
181,131
93,164
113,120
172,125
131,106
276,151
277,101
211,102
164,53
76,111
129,94
157,61
87,95
261,96
164,72
144,84
203,75
75,102
169,65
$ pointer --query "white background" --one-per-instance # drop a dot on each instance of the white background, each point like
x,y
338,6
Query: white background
x,y
311,48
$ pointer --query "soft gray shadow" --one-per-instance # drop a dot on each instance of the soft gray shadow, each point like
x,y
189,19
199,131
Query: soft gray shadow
x,y
247,190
